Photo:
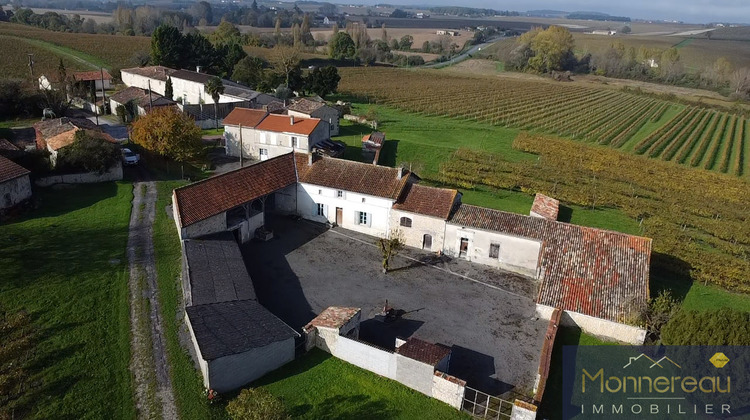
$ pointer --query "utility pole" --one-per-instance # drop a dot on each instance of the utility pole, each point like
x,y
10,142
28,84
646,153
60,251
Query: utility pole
x,y
104,95
240,145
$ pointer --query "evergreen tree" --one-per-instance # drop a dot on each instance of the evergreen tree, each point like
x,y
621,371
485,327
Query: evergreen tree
x,y
168,89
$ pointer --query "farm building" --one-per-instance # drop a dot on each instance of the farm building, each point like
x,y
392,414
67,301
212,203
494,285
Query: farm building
x,y
265,136
545,207
137,98
9,149
306,108
372,144
58,133
420,215
150,77
96,79
235,338
15,186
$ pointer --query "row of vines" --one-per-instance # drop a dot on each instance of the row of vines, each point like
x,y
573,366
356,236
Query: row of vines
x,y
698,219
697,137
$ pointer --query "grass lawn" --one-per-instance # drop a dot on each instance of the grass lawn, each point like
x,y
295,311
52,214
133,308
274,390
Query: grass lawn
x,y
65,264
213,131
320,386
186,380
6,125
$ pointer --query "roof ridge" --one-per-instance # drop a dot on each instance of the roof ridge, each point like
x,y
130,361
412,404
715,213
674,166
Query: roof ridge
x,y
232,172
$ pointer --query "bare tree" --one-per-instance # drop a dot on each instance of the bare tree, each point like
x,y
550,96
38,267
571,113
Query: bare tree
x,y
390,247
740,81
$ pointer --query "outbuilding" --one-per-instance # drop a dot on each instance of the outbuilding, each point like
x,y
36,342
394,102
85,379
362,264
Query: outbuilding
x,y
15,186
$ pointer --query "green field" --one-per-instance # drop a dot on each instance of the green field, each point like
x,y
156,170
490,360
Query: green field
x,y
320,386
65,264
606,117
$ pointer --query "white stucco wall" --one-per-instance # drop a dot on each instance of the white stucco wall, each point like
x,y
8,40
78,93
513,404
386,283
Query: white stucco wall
x,y
14,191
377,208
367,357
516,254
420,225
448,391
213,224
249,141
190,92
130,79
414,374
602,328
330,117
231,372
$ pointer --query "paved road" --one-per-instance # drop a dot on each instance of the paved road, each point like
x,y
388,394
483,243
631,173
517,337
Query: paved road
x,y
461,57
154,395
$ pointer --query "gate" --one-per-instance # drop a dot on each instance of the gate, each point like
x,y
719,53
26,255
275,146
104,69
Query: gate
x,y
485,406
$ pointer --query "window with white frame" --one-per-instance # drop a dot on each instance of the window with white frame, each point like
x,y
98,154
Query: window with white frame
x,y
339,194
295,142
363,218
494,250
405,222
322,210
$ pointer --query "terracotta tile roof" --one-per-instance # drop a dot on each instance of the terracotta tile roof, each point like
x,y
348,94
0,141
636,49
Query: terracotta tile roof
x,y
87,76
67,138
246,117
546,207
430,201
153,72
333,317
52,127
10,170
592,271
423,351
305,106
363,178
201,200
6,145
140,97
374,140
283,124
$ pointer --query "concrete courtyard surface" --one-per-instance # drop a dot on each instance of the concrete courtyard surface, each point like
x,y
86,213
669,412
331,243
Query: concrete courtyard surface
x,y
492,328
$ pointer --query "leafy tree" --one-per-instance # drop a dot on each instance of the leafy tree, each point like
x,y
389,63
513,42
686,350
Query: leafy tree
x,y
723,327
249,71
168,132
626,29
426,47
197,50
398,13
390,247
552,48
88,153
166,46
323,81
405,43
225,33
395,45
230,55
256,404
670,65
202,10
215,88
168,89
341,46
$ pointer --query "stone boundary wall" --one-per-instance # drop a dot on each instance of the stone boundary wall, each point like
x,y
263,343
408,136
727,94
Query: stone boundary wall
x,y
113,174
602,328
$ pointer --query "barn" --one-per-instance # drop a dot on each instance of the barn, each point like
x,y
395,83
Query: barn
x,y
15,186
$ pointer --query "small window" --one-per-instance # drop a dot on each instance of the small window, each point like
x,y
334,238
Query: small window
x,y
494,250
320,192
363,199
321,209
340,194
405,222
295,142
363,218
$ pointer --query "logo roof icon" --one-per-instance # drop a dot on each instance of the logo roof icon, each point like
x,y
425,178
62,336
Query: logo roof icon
x,y
661,362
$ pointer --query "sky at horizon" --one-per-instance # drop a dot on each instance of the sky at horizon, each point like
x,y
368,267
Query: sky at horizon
x,y
689,11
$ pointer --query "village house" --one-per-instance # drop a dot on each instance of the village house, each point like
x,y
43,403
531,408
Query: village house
x,y
58,133
15,186
150,77
96,79
306,108
265,136
139,99
596,276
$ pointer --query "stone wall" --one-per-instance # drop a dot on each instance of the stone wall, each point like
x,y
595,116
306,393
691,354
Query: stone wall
x,y
113,174
14,191
602,328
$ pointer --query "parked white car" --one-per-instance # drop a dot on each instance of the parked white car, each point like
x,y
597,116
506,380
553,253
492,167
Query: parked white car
x,y
130,158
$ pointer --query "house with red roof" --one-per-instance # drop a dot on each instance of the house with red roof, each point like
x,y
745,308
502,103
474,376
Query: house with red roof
x,y
15,186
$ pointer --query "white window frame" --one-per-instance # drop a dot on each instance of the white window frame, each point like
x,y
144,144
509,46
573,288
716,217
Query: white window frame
x,y
262,152
295,142
340,194
364,218
403,219
322,210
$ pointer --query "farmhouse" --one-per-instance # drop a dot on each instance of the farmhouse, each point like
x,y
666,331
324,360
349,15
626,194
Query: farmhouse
x,y
587,271
236,339
150,77
55,134
139,99
265,136
307,108
15,186
99,79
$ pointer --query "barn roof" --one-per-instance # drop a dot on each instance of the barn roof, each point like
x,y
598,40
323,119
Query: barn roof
x,y
216,270
546,207
227,328
153,72
430,201
10,170
357,177
87,76
592,271
203,199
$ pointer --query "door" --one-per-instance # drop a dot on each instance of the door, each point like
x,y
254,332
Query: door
x,y
463,250
263,154
427,242
339,216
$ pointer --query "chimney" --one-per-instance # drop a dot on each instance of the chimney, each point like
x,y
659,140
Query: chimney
x,y
197,69
291,120
400,172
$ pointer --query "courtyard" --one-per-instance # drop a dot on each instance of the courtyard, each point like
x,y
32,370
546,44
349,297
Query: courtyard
x,y
487,316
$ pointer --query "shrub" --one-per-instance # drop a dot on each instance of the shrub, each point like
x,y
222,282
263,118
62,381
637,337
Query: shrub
x,y
723,327
87,154
256,404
